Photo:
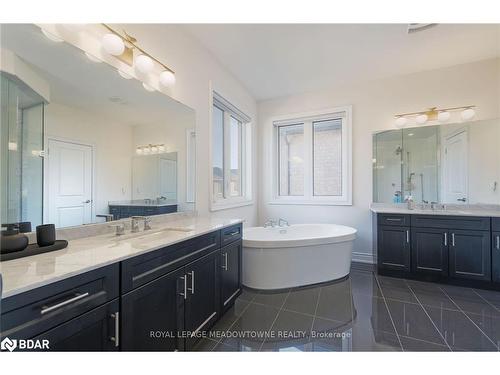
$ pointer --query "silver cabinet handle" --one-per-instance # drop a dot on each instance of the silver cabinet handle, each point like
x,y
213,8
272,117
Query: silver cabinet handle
x,y
192,282
453,239
407,236
185,286
445,239
47,309
498,242
116,338
392,219
233,233
224,266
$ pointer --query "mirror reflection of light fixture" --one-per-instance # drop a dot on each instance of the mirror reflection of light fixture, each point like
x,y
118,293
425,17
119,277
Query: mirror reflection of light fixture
x,y
434,114
12,146
167,78
52,36
144,64
150,149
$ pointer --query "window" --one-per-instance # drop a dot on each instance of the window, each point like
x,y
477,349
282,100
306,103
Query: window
x,y
231,171
313,158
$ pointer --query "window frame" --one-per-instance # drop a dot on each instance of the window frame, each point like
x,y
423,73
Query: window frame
x,y
308,118
230,111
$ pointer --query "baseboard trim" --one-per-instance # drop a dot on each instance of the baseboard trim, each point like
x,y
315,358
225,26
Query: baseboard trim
x,y
367,267
363,258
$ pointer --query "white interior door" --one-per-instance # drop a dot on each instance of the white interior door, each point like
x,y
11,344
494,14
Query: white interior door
x,y
69,182
455,168
168,178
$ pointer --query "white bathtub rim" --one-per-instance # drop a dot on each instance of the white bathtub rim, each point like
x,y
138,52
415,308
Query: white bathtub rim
x,y
298,242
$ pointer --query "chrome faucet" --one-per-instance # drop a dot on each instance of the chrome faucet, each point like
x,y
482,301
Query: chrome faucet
x,y
135,223
284,222
270,223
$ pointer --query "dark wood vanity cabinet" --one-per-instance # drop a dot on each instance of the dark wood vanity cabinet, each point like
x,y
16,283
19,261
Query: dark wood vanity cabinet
x,y
429,251
393,243
152,315
166,299
230,273
444,248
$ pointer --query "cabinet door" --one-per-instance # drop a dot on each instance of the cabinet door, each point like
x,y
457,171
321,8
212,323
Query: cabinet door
x,y
394,248
152,315
230,274
97,330
495,257
429,251
470,255
202,304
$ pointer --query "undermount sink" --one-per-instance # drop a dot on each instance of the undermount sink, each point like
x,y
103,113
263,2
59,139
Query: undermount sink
x,y
150,233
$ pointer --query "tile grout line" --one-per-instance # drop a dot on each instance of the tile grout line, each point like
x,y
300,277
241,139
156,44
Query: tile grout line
x,y
388,311
233,323
274,321
463,312
315,311
426,313
484,299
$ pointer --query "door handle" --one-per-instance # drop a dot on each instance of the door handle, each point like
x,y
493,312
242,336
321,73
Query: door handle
x,y
116,338
192,282
87,201
47,309
184,278
461,199
224,266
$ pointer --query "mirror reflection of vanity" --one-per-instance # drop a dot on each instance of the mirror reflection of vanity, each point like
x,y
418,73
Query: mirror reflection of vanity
x,y
456,163
81,143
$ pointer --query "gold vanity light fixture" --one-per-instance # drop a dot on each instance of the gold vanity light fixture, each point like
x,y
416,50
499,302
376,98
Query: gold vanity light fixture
x,y
434,114
124,47
150,149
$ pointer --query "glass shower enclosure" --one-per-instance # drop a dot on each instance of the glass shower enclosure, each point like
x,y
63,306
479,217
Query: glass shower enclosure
x,y
406,163
21,145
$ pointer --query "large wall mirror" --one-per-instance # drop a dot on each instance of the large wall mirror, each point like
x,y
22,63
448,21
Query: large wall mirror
x,y
449,163
82,144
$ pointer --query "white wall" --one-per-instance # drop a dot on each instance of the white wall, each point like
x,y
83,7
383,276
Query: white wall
x,y
112,148
374,104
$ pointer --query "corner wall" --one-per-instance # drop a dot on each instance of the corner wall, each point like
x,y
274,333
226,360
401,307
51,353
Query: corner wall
x,y
374,104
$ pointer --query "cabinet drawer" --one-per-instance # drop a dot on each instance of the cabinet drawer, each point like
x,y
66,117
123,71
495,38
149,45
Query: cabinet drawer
x,y
495,224
231,234
142,269
394,219
38,310
451,222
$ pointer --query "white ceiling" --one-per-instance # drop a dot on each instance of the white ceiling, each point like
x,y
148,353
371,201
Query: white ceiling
x,y
280,60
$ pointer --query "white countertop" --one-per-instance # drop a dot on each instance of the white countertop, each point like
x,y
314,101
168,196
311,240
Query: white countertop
x,y
466,210
85,254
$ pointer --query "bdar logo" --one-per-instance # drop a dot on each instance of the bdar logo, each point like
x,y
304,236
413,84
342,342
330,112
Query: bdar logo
x,y
8,344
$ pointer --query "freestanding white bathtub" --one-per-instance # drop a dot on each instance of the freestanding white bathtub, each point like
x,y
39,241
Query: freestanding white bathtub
x,y
297,255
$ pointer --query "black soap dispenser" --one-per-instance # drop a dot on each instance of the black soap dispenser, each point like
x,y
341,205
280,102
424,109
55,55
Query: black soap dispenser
x,y
11,239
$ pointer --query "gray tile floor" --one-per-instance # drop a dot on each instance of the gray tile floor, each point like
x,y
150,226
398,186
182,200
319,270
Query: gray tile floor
x,y
365,312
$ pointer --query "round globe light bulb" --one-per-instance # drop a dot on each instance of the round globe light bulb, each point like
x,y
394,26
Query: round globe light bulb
x,y
467,114
144,63
148,87
138,151
161,148
52,37
443,116
124,75
421,119
167,78
400,122
113,44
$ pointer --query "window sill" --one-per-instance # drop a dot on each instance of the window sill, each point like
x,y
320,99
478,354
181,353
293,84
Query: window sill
x,y
310,202
219,206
